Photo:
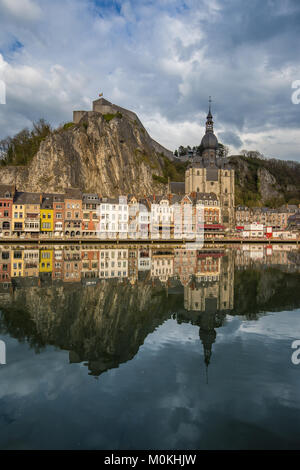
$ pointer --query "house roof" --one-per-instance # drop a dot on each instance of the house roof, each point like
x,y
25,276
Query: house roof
x,y
22,197
90,198
177,187
6,189
73,193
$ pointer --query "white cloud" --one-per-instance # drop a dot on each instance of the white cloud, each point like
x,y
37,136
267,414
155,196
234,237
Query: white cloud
x,y
25,10
161,59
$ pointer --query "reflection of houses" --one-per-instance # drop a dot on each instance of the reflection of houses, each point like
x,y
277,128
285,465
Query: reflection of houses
x,y
113,263
46,258
58,262
162,265
5,264
185,264
90,262
133,271
31,262
144,259
212,288
17,262
72,263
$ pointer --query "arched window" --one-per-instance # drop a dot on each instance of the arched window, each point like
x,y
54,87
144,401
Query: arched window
x,y
198,173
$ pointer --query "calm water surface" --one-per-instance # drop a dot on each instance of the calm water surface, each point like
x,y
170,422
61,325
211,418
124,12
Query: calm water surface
x,y
131,347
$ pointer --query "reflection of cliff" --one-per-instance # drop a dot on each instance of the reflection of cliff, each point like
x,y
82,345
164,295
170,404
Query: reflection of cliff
x,y
262,289
103,324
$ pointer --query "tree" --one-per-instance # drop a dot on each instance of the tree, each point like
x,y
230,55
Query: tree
x,y
21,148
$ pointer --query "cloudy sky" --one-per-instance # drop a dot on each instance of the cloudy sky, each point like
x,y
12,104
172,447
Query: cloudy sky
x,y
162,59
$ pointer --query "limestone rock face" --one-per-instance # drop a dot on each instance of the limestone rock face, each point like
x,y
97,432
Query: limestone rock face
x,y
103,154
267,185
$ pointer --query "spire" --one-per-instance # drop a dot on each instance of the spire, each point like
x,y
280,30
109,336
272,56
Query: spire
x,y
209,121
209,109
208,337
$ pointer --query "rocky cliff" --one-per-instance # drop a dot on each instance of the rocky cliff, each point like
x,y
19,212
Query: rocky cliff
x,y
103,153
266,181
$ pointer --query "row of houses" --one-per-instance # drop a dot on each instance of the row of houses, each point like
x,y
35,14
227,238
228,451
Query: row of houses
x,y
279,218
73,214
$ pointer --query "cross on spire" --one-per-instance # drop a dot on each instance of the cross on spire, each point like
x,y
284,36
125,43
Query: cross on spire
x,y
209,107
209,121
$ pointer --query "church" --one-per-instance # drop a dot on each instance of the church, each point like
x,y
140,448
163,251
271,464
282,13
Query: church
x,y
209,173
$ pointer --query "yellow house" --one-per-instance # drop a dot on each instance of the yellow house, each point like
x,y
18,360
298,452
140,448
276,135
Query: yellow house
x,y
18,214
46,220
46,257
46,213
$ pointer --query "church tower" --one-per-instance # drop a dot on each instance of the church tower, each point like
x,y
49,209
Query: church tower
x,y
208,173
209,142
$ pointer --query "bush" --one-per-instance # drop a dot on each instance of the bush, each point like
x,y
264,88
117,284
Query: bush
x,y
108,117
67,125
160,179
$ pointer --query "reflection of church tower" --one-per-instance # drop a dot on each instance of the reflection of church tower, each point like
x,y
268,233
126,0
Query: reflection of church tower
x,y
207,333
208,338
209,295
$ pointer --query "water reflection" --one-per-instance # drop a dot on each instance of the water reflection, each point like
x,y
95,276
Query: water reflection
x,y
100,303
